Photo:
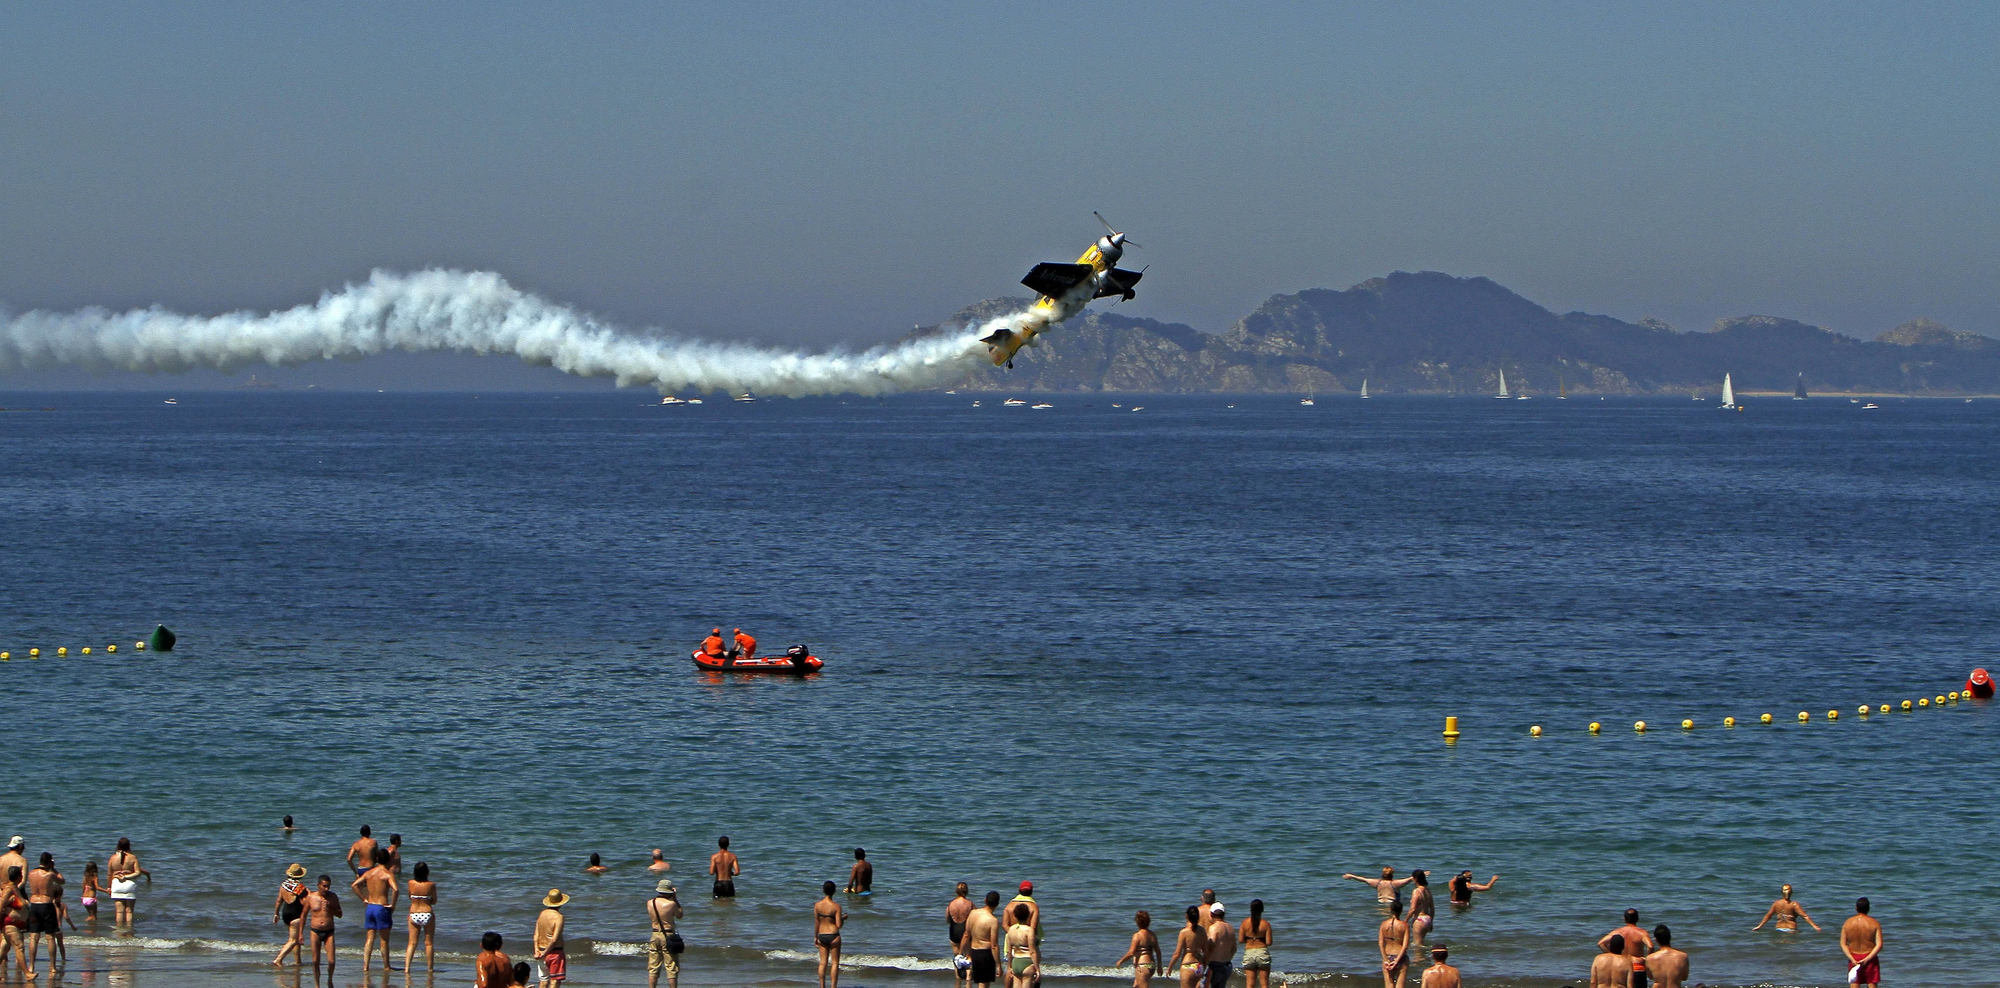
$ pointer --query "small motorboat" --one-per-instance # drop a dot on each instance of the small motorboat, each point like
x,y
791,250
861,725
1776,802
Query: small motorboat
x,y
671,400
797,661
1014,402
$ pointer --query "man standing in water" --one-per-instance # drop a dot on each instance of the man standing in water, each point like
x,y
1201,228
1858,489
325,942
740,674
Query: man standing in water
x,y
1861,944
1666,966
1636,943
861,878
549,952
1611,969
1788,914
660,862
1388,888
1440,975
377,889
16,856
982,942
43,883
827,921
722,864
1393,939
1221,945
364,850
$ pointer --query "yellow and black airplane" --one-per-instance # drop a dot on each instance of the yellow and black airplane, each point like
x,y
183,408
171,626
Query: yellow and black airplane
x,y
1065,289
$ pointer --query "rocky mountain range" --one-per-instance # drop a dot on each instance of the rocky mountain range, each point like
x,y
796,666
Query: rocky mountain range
x,y
1436,333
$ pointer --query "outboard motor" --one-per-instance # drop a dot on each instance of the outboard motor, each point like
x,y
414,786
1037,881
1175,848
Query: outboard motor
x,y
798,654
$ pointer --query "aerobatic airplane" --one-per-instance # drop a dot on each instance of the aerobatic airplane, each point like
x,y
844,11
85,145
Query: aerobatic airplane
x,y
1066,288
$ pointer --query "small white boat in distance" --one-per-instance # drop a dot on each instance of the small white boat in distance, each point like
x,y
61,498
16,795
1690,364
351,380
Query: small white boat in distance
x,y
1729,396
1307,400
1364,387
1503,385
951,392
1869,406
694,401
746,396
1011,402
975,403
170,401
1041,405
1117,405
1138,408
671,400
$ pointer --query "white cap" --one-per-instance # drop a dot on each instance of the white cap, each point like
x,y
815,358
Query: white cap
x,y
1216,910
18,841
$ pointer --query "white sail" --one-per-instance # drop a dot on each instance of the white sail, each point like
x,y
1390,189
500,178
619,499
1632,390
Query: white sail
x,y
1364,387
1728,393
1503,384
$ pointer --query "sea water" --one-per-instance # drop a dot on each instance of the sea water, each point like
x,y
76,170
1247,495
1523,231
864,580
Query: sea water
x,y
1125,655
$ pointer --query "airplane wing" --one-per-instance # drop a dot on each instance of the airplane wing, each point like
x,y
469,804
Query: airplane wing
x,y
1051,279
1119,281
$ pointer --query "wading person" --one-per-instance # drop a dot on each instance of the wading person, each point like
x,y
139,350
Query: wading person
x,y
1392,938
93,890
660,862
1221,945
377,889
663,950
724,867
1637,944
1440,974
1256,934
1861,944
1024,955
1787,913
125,872
549,950
322,908
1144,953
1190,949
861,878
43,883
1388,888
827,922
982,942
1462,887
361,853
1423,909
288,909
1667,967
955,912
13,917
423,916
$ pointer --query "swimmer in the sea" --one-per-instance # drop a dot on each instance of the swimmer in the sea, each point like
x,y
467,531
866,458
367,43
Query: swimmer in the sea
x,y
660,862
1787,913
1462,887
596,865
861,878
1388,888
288,828
724,867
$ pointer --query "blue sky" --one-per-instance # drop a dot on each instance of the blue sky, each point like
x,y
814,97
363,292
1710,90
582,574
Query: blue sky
x,y
829,174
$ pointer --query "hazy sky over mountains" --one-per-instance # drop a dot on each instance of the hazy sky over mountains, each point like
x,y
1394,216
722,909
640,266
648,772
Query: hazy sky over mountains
x,y
834,174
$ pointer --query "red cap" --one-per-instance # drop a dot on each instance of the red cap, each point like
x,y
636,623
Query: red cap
x,y
1027,886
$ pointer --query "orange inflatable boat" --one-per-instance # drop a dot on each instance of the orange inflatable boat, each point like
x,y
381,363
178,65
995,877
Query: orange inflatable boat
x,y
797,661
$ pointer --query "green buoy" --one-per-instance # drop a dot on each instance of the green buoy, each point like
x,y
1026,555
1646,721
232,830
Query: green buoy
x,y
162,640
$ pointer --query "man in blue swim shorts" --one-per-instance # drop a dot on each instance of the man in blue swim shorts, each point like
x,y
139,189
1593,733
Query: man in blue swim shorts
x,y
377,888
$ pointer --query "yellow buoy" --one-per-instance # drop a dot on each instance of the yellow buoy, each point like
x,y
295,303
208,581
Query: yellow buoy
x,y
1884,709
1451,727
4,657
1803,717
111,648
1864,710
34,653
1639,726
1908,705
1923,701
1687,725
1595,727
1940,700
1535,731
1833,715
1729,722
86,650
1765,719
62,650
1954,696
141,646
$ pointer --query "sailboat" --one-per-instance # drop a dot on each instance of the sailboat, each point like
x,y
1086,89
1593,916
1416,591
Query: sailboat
x,y
1729,396
1503,385
1364,387
1799,393
1562,389
1307,400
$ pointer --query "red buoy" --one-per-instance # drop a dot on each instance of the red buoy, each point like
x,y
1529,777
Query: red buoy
x,y
1980,685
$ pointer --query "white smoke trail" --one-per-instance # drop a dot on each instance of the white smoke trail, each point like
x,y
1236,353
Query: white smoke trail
x,y
475,312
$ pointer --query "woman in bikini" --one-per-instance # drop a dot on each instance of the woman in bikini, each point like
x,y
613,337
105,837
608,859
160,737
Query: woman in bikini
x,y
13,919
423,915
1144,953
1024,964
1190,950
1256,939
92,891
287,910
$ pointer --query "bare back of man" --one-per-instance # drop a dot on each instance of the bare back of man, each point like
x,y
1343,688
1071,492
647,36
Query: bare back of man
x,y
1667,967
723,867
982,944
377,888
1610,970
1861,944
1440,974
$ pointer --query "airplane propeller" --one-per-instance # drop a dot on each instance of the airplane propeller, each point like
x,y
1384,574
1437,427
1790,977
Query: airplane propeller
x,y
1115,235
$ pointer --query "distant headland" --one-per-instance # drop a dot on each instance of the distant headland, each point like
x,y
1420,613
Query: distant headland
x,y
1428,332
